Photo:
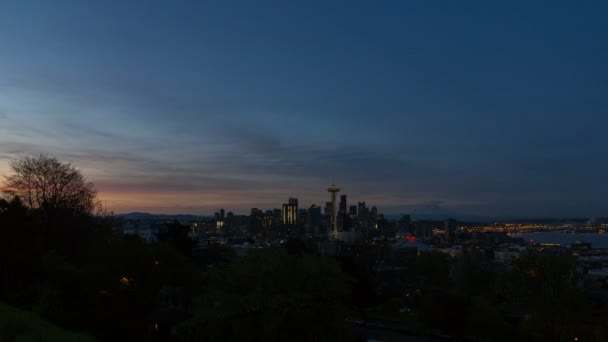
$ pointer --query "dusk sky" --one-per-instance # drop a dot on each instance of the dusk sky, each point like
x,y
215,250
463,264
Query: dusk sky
x,y
490,108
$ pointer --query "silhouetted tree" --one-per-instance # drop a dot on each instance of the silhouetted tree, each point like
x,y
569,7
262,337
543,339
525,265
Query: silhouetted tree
x,y
295,246
43,182
270,295
20,252
433,268
177,236
545,287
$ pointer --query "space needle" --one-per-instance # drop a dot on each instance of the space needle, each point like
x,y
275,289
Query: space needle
x,y
334,228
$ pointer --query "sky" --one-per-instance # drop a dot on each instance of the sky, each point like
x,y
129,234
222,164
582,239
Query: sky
x,y
488,108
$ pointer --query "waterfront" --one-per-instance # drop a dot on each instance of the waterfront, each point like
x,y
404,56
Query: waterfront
x,y
566,238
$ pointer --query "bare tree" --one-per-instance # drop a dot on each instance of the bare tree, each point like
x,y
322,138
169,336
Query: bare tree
x,y
43,182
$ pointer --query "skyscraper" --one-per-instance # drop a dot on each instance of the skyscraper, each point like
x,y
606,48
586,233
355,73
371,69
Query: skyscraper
x,y
363,220
255,221
406,225
352,213
342,204
293,201
342,214
333,190
289,214
327,210
360,210
314,219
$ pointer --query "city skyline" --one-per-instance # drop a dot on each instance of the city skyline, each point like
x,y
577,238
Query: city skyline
x,y
476,108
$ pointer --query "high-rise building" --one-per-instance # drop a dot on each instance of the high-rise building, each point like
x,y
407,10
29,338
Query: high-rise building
x,y
277,221
302,223
333,190
327,210
256,218
268,221
289,214
361,208
302,216
314,219
293,201
406,225
342,204
342,214
352,216
276,213
229,223
219,220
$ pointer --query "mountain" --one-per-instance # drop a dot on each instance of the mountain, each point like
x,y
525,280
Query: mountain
x,y
161,217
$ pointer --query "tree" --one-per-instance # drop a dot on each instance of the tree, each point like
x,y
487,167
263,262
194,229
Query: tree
x,y
45,183
433,268
546,287
176,235
270,295
20,249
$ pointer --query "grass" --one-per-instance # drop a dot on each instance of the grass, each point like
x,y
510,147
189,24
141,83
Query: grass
x,y
23,326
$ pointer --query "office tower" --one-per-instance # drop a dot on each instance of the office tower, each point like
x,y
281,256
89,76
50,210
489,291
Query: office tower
x,y
333,190
293,201
289,214
352,216
302,223
406,225
327,210
255,221
342,204
360,210
314,218
342,217
268,221
229,223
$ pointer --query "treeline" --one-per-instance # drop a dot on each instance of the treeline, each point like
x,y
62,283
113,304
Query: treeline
x,y
536,298
81,273
64,258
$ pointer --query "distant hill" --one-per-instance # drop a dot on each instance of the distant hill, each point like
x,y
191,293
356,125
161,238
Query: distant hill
x,y
161,217
415,216
488,219
442,217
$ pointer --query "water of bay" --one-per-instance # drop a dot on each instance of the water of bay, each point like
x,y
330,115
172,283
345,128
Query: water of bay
x,y
566,238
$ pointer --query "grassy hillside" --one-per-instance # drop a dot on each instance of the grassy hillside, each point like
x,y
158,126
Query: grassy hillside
x,y
23,326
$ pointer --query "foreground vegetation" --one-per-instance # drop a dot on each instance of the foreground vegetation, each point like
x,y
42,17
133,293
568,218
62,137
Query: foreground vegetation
x,y
24,326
